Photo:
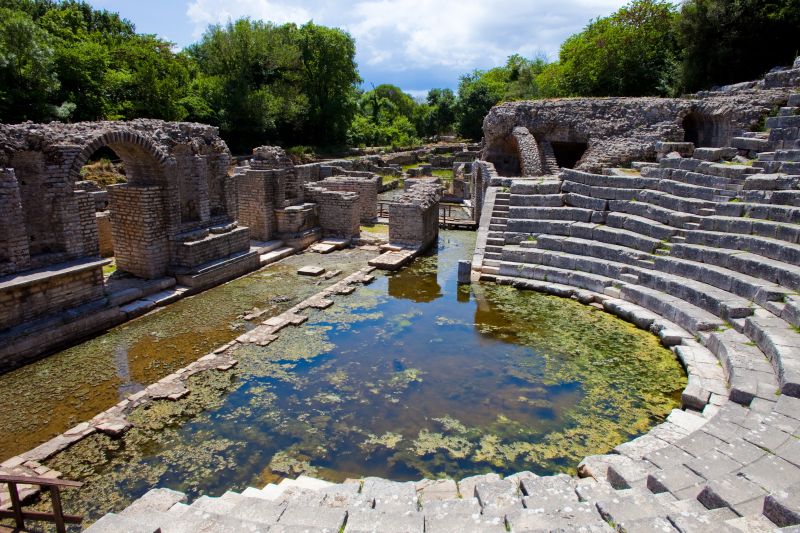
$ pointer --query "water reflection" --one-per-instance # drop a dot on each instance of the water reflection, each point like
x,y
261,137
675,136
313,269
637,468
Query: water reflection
x,y
406,378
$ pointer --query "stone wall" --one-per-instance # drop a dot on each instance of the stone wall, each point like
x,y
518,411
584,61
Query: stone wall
x,y
366,186
14,251
38,293
414,217
189,162
606,132
104,236
339,212
208,247
139,229
256,202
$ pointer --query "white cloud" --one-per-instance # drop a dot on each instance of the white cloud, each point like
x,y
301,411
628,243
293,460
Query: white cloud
x,y
413,35
205,12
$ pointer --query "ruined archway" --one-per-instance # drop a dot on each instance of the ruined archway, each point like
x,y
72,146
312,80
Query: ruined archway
x,y
706,131
568,153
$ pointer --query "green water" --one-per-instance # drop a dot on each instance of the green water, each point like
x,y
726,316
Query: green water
x,y
409,377
46,398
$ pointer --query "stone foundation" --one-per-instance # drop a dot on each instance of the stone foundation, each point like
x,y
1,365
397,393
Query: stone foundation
x,y
414,217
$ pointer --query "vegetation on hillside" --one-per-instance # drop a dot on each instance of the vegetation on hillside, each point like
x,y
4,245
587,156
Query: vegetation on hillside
x,y
299,85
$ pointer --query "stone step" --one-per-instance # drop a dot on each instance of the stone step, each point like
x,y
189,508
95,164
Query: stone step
x,y
773,212
689,317
714,154
590,247
768,247
521,187
747,369
678,203
788,111
550,213
750,287
537,200
694,177
758,266
781,343
748,226
600,180
751,144
585,202
678,188
600,193
276,255
781,122
720,303
656,213
642,225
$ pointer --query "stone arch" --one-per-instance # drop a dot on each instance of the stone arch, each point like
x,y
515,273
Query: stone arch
x,y
704,130
144,161
516,154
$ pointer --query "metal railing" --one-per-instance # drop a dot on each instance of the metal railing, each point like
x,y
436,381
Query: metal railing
x,y
57,516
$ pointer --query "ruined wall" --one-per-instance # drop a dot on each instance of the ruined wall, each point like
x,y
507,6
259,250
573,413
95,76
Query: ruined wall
x,y
188,161
29,296
139,229
14,251
515,154
615,131
256,202
104,235
339,212
414,217
367,188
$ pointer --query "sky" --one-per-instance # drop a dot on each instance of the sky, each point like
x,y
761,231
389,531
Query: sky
x,y
414,44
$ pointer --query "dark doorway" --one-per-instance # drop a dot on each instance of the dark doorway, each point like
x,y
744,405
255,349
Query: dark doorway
x,y
568,154
705,131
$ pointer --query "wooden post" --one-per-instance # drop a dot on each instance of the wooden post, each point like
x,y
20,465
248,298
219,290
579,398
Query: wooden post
x,y
15,505
58,512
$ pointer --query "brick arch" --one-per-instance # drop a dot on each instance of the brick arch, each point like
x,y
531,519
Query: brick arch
x,y
144,161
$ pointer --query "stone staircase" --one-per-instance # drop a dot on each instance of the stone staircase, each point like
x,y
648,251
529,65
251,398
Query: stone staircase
x,y
624,501
549,161
704,252
497,227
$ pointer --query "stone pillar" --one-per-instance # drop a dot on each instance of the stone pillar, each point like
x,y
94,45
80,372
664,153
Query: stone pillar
x,y
104,236
14,250
414,217
256,203
86,209
139,229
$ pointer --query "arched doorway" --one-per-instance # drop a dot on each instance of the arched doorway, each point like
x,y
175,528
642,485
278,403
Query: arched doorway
x,y
137,196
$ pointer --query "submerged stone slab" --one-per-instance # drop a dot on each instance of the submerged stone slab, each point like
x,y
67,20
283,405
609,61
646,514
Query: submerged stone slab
x,y
311,270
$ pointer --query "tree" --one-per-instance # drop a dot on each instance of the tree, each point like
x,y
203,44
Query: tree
x,y
477,94
630,53
329,78
443,111
27,69
727,41
255,68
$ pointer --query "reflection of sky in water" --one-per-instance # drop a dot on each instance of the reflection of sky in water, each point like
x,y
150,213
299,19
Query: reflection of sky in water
x,y
410,377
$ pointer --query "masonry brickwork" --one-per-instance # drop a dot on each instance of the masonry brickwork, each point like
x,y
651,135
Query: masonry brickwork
x,y
177,211
414,216
604,132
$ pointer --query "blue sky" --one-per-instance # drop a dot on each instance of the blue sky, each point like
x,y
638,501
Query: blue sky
x,y
414,44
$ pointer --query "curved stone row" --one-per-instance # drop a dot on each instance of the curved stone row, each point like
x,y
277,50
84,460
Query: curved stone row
x,y
700,251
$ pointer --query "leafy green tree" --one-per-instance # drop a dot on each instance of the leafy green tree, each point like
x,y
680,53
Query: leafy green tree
x,y
329,79
27,69
728,41
442,114
477,94
630,53
255,68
